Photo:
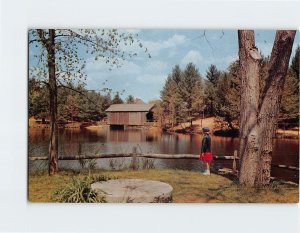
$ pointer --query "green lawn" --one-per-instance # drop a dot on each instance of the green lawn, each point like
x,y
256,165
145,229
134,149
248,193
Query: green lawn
x,y
189,187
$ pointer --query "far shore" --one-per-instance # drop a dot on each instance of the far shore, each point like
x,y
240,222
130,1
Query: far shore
x,y
183,128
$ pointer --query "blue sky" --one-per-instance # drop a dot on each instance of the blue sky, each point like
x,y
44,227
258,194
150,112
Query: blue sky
x,y
144,77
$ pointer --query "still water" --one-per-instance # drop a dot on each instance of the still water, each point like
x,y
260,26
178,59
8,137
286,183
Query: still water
x,y
105,140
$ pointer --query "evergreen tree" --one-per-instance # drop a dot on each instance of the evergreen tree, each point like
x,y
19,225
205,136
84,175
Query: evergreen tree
x,y
212,76
130,99
117,99
168,96
192,94
289,109
227,101
295,63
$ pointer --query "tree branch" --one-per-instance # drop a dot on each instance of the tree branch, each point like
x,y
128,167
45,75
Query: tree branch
x,y
77,91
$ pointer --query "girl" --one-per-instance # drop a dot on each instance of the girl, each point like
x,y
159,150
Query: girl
x,y
206,155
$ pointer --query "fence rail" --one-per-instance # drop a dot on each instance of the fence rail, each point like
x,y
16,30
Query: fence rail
x,y
123,155
153,156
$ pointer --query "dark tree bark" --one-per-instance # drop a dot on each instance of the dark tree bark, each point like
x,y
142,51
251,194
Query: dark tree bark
x,y
258,122
249,68
271,99
53,145
49,44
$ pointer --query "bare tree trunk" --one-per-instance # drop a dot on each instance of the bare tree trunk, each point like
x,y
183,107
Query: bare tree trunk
x,y
49,44
249,68
53,144
271,99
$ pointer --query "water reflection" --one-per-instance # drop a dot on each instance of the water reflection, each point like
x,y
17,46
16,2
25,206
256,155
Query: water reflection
x,y
104,140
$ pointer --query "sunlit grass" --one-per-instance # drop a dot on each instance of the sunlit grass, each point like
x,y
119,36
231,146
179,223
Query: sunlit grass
x,y
189,186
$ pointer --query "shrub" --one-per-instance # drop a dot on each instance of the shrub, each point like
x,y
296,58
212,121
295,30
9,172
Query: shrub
x,y
78,191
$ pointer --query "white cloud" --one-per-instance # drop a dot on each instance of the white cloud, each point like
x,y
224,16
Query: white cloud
x,y
155,46
192,56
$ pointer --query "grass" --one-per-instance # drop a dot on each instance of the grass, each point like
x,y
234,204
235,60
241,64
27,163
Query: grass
x,y
189,187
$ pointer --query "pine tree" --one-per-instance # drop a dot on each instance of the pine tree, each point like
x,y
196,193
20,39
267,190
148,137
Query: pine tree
x,y
212,76
295,63
117,99
192,93
130,99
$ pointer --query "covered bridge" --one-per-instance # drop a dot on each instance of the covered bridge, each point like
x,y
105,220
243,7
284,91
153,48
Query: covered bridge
x,y
129,114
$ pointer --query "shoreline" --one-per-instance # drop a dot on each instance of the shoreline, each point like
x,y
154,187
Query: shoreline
x,y
183,128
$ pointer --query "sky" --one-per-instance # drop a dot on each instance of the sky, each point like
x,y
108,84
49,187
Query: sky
x,y
144,77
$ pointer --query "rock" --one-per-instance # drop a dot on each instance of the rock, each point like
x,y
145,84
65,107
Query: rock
x,y
134,191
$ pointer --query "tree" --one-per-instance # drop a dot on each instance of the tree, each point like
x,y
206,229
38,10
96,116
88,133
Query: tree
x,y
172,102
226,100
60,63
169,94
37,99
212,74
158,111
117,99
130,99
212,77
191,90
295,63
289,111
258,119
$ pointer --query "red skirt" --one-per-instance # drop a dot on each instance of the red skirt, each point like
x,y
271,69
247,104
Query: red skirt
x,y
206,157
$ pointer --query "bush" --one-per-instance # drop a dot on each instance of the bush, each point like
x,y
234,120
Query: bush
x,y
79,191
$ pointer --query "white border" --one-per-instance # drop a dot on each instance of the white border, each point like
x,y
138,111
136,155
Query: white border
x,y
18,215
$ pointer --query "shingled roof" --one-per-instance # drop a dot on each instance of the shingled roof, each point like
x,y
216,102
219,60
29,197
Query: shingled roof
x,y
130,108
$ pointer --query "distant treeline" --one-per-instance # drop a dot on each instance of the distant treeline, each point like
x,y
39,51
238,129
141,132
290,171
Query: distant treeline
x,y
74,103
186,95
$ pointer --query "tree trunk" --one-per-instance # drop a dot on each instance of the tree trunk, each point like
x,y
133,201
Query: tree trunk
x,y
249,68
271,99
258,122
53,144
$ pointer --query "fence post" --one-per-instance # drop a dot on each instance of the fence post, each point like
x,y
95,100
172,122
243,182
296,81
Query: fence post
x,y
234,161
134,160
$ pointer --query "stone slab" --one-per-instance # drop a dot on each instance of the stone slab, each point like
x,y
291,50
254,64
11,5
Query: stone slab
x,y
134,191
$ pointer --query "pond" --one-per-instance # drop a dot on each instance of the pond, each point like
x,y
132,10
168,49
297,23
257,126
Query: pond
x,y
105,140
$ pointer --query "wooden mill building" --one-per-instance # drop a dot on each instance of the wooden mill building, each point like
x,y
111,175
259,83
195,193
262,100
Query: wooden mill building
x,y
129,114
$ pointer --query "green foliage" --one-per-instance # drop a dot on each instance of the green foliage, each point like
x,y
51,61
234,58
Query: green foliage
x,y
213,74
117,99
225,99
99,178
87,164
182,95
148,164
78,191
74,103
210,92
38,103
290,98
295,63
130,99
158,111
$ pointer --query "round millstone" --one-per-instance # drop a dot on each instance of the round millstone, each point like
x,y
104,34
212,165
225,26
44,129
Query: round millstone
x,y
134,191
